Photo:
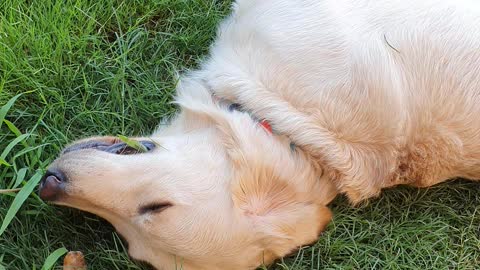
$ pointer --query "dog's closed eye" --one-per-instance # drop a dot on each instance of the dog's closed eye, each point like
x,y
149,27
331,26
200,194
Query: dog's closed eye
x,y
155,207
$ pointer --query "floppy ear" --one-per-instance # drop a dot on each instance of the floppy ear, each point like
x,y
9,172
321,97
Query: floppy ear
x,y
284,218
273,189
277,196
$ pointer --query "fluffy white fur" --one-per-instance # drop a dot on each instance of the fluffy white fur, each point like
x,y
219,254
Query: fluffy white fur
x,y
373,94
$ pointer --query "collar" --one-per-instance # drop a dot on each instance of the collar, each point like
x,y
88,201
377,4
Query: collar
x,y
262,122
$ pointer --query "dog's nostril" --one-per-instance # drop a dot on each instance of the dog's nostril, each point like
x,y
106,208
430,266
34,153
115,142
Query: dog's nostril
x,y
52,185
52,178
54,175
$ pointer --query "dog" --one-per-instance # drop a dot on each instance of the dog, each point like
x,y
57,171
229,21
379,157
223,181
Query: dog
x,y
299,101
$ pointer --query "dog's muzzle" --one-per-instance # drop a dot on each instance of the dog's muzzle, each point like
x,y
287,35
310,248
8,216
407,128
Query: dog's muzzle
x,y
53,184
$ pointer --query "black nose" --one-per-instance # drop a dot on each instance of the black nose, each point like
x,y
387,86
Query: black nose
x,y
52,185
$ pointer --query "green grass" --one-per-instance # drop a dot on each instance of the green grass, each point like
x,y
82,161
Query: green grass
x,y
109,67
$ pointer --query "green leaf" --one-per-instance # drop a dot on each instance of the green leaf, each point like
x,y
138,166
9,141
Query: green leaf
x,y
12,144
1,261
3,162
20,176
12,127
134,144
53,258
6,107
15,130
28,149
20,199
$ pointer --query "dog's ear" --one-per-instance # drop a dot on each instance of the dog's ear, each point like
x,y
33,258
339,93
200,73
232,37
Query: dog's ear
x,y
279,197
276,191
283,218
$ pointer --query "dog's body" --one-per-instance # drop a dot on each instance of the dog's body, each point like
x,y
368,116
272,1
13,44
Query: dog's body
x,y
383,92
371,93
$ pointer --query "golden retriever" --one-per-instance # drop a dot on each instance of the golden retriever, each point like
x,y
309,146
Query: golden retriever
x,y
299,101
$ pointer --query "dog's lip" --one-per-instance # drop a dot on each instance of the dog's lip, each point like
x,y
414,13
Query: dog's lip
x,y
124,149
86,145
118,148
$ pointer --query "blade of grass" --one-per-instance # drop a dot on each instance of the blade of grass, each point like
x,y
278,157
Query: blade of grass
x,y
3,162
15,130
19,200
12,127
12,144
134,144
9,190
20,176
5,108
53,258
26,150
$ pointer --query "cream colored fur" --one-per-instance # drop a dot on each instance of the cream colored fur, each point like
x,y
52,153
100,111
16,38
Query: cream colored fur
x,y
373,94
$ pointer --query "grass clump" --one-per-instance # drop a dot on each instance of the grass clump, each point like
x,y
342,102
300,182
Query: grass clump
x,y
70,69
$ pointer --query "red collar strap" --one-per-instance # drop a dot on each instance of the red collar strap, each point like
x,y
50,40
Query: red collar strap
x,y
263,123
266,125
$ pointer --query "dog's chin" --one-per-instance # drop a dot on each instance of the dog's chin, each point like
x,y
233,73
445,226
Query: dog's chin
x,y
84,206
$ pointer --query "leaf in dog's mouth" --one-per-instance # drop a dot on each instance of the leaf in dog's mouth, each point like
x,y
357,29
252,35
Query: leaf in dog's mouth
x,y
133,144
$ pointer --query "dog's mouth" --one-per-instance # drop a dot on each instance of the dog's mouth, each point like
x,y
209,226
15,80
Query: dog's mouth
x,y
54,183
117,148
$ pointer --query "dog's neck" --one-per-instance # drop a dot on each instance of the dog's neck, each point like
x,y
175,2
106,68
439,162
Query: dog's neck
x,y
202,108
237,107
264,123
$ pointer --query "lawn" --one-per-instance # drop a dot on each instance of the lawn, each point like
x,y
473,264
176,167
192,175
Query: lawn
x,y
89,67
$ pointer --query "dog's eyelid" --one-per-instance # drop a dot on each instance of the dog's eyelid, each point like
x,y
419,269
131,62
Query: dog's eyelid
x,y
154,207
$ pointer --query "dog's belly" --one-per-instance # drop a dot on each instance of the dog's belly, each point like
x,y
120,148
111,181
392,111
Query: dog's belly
x,y
344,62
397,82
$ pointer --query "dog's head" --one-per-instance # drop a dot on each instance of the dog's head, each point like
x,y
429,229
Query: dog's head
x,y
213,191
